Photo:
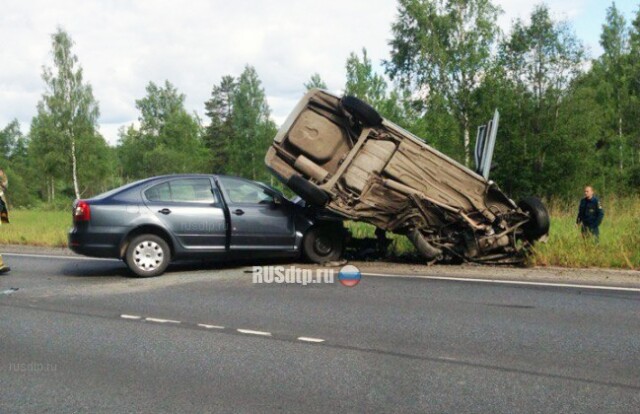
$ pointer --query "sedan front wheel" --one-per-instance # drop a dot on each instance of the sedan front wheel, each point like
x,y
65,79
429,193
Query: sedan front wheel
x,y
148,255
323,244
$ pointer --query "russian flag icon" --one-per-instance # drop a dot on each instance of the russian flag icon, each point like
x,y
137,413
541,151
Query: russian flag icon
x,y
349,276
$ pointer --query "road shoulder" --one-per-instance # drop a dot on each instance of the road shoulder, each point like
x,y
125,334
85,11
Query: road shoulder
x,y
591,276
599,277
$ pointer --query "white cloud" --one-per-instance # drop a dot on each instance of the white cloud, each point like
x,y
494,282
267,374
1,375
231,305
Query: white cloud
x,y
122,45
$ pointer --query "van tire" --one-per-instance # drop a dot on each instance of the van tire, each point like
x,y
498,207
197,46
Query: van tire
x,y
309,192
362,111
539,222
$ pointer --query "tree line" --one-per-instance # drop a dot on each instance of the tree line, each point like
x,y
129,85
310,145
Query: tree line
x,y
566,120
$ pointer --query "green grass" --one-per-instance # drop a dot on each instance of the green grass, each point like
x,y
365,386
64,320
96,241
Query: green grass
x,y
400,245
36,228
619,245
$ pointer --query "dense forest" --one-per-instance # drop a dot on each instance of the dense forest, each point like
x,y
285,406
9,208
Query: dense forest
x,y
567,119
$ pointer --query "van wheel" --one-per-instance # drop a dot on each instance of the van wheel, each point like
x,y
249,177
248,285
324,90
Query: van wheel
x,y
539,222
148,255
309,192
362,111
323,244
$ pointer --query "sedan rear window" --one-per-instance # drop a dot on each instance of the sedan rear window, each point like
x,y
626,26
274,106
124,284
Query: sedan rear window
x,y
191,190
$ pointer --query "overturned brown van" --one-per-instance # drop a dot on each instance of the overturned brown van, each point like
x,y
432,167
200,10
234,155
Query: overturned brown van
x,y
340,154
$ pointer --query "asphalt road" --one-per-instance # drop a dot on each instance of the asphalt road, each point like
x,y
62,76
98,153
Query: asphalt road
x,y
81,336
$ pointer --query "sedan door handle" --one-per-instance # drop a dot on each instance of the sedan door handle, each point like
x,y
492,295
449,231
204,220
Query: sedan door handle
x,y
165,211
238,212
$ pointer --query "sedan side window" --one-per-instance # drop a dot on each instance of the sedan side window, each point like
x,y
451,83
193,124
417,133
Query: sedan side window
x,y
160,192
243,192
189,190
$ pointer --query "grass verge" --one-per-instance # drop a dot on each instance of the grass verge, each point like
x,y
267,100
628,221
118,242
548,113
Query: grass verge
x,y
619,245
36,228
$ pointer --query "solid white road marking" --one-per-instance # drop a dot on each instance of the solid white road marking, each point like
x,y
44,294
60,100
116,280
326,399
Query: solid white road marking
x,y
509,282
251,332
458,279
161,320
308,339
204,325
130,317
46,256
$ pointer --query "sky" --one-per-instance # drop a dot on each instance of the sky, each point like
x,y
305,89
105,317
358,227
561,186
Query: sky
x,y
122,45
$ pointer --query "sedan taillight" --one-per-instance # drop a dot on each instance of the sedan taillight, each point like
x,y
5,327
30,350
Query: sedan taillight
x,y
82,211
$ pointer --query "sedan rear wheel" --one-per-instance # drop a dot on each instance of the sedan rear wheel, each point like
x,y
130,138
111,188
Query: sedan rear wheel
x,y
148,255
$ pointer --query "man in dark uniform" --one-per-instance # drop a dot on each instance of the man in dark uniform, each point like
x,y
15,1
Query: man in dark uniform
x,y
590,213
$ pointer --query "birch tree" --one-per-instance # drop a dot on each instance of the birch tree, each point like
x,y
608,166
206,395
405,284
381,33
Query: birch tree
x,y
67,112
443,48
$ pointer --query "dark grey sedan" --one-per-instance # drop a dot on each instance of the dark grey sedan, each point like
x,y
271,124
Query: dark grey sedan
x,y
154,221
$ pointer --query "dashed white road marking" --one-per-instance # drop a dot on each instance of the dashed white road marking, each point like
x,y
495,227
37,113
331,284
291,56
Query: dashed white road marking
x,y
308,339
508,282
204,325
161,320
209,326
251,332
